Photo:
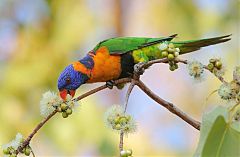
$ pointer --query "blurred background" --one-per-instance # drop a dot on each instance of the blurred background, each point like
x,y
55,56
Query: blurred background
x,y
38,38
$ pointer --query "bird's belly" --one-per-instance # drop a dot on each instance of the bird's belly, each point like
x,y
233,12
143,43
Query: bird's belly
x,y
106,67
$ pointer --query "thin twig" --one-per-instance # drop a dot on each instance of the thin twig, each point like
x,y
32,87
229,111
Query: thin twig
x,y
38,127
205,67
165,60
130,88
169,106
32,152
121,141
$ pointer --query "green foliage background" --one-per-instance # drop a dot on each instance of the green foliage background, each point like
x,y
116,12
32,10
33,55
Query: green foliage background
x,y
64,30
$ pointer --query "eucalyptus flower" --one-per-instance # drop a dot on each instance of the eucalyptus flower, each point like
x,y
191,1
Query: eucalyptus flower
x,y
195,69
116,119
48,102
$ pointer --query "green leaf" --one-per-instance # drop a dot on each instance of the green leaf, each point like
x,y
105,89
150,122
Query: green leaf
x,y
222,140
217,137
207,122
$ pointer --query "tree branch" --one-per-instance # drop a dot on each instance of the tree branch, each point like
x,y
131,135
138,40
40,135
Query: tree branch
x,y
135,81
169,106
35,130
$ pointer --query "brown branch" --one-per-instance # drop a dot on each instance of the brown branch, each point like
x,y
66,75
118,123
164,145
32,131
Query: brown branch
x,y
120,81
165,60
38,127
205,67
135,81
169,106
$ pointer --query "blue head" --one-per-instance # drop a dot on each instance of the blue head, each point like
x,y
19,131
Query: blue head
x,y
69,80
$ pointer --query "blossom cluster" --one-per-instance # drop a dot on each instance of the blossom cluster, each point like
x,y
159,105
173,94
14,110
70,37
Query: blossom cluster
x,y
170,52
231,90
51,102
216,67
120,121
10,149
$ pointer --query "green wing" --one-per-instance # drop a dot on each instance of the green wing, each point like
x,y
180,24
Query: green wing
x,y
123,45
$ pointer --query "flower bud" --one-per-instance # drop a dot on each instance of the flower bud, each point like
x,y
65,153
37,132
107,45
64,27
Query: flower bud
x,y
123,120
171,50
129,152
171,45
123,153
210,66
64,115
117,127
27,152
172,68
218,64
6,151
117,120
164,54
64,106
212,60
69,111
171,57
176,54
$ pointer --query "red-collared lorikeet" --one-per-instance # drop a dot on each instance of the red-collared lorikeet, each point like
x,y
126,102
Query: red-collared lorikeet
x,y
115,58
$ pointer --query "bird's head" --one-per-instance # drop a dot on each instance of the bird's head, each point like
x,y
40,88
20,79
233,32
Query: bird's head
x,y
69,80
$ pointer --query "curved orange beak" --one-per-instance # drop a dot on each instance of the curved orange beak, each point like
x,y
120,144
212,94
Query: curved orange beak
x,y
64,92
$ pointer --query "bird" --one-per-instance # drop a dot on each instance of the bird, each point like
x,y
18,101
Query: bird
x,y
114,58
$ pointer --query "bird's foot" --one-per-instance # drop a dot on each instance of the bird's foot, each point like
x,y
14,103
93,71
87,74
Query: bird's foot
x,y
138,69
110,84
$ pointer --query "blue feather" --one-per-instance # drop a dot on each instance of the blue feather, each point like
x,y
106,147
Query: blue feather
x,y
76,78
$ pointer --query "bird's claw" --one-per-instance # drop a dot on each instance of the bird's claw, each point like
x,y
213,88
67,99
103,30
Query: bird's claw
x,y
138,68
110,84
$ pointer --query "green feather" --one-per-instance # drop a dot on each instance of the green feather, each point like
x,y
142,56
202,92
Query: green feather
x,y
145,49
123,45
193,45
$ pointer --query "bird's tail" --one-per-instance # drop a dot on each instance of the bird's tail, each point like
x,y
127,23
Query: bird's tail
x,y
193,45
162,48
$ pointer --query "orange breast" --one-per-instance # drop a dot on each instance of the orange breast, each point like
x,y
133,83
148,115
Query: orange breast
x,y
106,67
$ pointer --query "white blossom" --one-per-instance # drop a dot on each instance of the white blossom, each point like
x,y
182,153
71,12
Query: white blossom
x,y
226,91
163,46
14,143
177,50
71,103
116,119
195,69
49,99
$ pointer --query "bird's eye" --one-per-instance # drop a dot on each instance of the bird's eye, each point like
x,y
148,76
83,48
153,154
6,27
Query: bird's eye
x,y
68,80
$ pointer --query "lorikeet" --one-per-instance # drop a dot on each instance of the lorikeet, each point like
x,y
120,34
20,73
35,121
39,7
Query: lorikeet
x,y
115,58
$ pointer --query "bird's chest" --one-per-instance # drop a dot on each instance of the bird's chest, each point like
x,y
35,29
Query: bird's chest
x,y
106,67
